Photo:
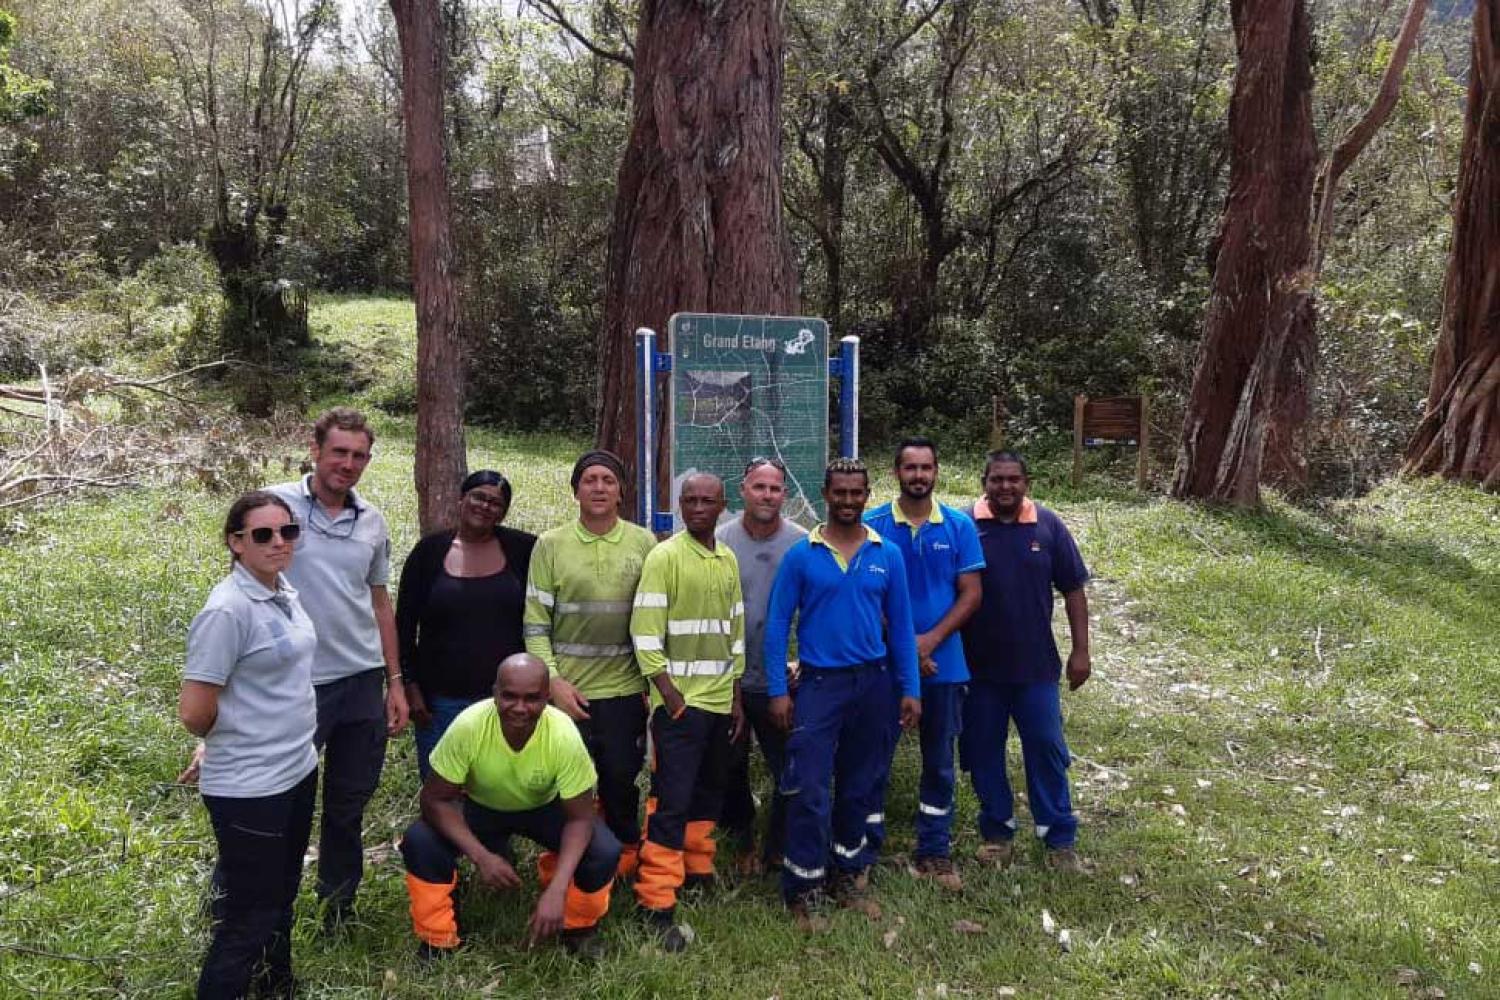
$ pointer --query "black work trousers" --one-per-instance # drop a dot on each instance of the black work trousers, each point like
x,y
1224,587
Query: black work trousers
x,y
261,844
615,734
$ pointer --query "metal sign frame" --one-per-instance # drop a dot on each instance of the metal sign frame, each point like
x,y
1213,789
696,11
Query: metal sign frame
x,y
650,363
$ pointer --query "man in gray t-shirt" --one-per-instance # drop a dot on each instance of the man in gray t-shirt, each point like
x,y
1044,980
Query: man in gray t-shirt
x,y
758,538
340,572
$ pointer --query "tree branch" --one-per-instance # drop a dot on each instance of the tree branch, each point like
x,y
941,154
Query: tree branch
x,y
551,11
1358,137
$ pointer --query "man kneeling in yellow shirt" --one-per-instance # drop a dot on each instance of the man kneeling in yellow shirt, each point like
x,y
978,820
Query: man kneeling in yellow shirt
x,y
509,766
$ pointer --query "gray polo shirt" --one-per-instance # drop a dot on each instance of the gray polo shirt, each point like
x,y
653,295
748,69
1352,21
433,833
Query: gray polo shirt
x,y
759,559
257,645
338,560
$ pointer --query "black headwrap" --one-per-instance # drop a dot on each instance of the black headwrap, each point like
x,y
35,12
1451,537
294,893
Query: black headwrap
x,y
608,459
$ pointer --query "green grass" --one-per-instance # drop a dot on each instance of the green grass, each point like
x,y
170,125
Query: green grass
x,y
1284,768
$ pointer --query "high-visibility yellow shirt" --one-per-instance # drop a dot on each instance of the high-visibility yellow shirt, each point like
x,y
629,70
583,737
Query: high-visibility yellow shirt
x,y
689,621
553,764
578,597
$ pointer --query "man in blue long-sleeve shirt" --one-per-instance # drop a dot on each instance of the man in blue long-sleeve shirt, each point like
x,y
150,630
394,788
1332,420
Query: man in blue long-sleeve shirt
x,y
847,589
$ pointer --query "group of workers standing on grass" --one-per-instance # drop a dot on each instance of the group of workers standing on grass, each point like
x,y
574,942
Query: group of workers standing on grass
x,y
818,646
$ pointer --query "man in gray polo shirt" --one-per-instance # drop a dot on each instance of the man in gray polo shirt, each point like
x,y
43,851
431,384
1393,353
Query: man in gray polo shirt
x,y
340,572
758,539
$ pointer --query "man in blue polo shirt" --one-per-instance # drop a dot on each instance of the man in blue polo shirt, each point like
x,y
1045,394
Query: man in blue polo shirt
x,y
847,590
943,561
1015,666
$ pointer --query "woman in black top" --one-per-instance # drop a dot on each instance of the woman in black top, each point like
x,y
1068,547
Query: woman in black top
x,y
459,609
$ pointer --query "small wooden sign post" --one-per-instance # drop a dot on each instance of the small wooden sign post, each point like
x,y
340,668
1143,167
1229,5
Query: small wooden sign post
x,y
1112,420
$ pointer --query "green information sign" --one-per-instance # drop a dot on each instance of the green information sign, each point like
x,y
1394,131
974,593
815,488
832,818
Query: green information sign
x,y
744,386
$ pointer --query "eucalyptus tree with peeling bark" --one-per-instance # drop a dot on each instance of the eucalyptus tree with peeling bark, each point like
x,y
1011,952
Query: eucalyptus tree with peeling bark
x,y
1251,393
698,224
1459,435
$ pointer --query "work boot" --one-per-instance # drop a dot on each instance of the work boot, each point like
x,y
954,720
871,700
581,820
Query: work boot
x,y
749,865
428,954
584,943
701,884
939,870
852,892
996,852
1066,860
673,937
338,916
806,912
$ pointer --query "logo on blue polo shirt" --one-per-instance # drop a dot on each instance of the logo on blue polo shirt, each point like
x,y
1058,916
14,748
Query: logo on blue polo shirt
x,y
876,568
940,546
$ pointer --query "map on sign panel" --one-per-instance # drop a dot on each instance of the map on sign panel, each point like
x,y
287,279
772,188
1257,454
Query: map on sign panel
x,y
750,386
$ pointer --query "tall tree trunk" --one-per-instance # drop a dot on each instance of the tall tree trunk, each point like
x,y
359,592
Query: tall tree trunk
x,y
440,458
1459,436
1259,309
697,223
832,184
1285,462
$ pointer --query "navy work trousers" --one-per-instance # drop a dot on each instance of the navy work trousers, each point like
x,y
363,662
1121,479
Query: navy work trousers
x,y
351,736
432,857
1036,709
839,737
738,817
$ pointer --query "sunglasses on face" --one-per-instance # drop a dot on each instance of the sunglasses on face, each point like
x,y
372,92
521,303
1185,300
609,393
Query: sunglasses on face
x,y
760,460
289,532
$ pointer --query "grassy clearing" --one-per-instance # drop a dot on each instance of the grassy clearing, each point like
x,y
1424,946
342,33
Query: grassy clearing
x,y
1284,769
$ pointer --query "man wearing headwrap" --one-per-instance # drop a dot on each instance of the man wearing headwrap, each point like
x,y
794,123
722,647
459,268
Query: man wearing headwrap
x,y
582,581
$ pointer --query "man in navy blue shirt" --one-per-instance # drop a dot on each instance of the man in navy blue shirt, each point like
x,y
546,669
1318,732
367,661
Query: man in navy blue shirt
x,y
943,563
1014,663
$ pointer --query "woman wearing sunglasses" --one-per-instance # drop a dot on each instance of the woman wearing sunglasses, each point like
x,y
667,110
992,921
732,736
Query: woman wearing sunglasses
x,y
458,613
248,692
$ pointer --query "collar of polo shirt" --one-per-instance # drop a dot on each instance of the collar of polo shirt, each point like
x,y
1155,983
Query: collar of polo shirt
x,y
351,498
899,516
815,537
257,591
1027,514
612,536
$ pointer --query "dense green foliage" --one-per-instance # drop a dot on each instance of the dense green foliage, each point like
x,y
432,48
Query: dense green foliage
x,y
1012,201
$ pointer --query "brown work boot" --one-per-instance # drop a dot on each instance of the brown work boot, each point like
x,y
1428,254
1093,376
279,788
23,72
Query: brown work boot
x,y
583,943
805,913
939,870
852,892
996,852
749,865
1065,859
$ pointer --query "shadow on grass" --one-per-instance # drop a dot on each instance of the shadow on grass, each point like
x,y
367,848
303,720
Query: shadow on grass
x,y
1403,570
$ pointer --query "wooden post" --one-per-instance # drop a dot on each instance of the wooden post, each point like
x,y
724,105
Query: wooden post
x,y
997,425
1143,442
1079,402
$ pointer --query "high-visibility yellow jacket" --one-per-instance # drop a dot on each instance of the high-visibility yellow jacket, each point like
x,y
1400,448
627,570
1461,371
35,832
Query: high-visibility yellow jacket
x,y
578,602
689,621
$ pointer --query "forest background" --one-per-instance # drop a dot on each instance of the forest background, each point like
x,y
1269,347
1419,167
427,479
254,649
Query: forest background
x,y
1285,762
1008,202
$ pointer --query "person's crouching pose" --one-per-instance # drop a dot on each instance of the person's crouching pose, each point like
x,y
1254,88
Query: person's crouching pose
x,y
509,766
